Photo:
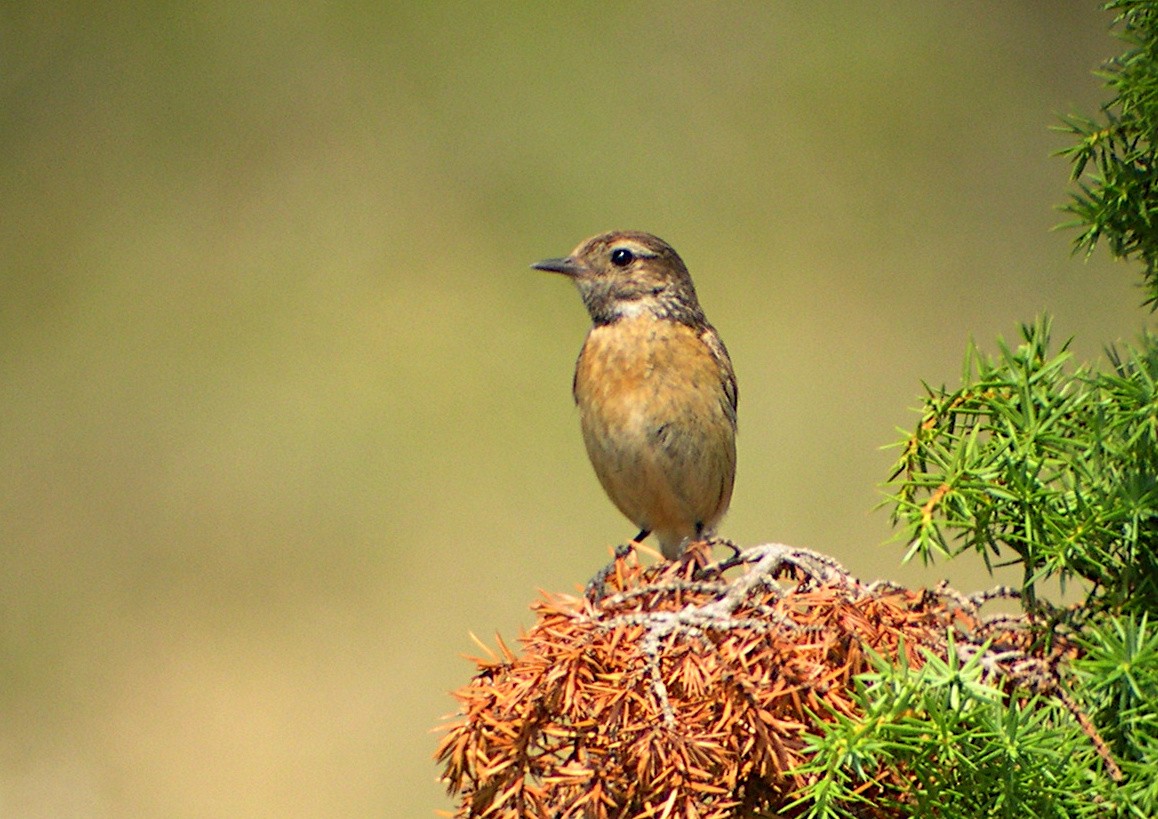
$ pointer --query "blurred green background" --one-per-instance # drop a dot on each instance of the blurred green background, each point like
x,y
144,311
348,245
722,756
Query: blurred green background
x,y
285,414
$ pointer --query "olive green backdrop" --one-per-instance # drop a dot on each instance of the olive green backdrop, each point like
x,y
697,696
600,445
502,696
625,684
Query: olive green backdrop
x,y
285,415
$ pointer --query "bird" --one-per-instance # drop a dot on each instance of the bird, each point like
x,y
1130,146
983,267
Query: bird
x,y
655,388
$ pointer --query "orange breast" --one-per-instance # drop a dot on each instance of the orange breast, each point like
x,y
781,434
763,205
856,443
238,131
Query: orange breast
x,y
657,424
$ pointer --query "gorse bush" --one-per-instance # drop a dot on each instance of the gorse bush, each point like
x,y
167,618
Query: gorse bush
x,y
1035,460
1114,159
1053,466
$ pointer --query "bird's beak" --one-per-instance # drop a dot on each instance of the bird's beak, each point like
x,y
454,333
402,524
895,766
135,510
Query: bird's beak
x,y
568,266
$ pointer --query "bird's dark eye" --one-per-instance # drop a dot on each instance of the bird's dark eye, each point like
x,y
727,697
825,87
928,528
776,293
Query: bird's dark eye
x,y
622,257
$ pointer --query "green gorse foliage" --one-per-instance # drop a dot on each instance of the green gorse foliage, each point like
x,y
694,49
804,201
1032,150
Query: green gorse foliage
x,y
1115,160
1037,461
968,749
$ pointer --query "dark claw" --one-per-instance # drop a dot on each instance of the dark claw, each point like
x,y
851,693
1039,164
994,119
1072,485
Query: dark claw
x,y
596,588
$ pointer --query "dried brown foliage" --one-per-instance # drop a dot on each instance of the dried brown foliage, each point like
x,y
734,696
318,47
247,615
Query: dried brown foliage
x,y
685,690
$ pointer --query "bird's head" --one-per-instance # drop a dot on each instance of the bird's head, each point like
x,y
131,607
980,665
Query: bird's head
x,y
629,273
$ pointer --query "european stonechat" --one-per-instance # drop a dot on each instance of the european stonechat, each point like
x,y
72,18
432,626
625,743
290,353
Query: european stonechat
x,y
655,388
